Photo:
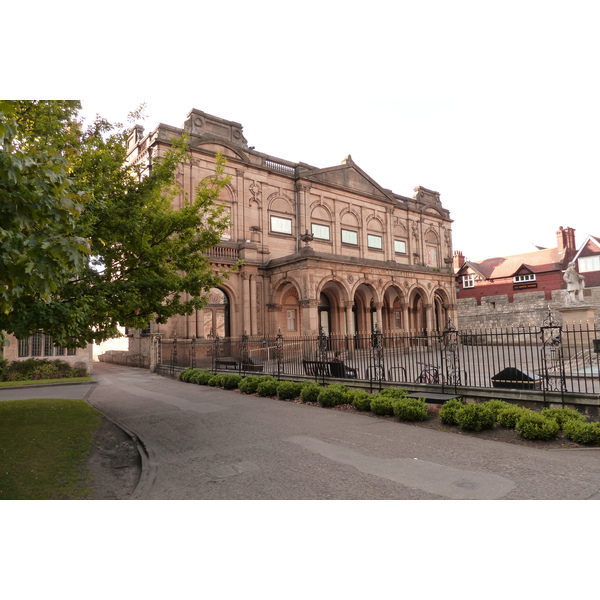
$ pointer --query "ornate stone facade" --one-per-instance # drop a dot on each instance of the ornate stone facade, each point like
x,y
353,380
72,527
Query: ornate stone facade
x,y
323,249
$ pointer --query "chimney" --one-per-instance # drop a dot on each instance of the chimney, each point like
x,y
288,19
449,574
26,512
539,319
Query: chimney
x,y
458,261
566,240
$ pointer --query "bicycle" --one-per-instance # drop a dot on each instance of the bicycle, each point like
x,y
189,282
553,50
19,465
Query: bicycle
x,y
429,374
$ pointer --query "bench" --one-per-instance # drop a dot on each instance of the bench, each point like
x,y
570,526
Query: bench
x,y
226,363
319,368
232,363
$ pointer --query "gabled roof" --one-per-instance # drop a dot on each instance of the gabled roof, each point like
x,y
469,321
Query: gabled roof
x,y
590,238
350,176
500,267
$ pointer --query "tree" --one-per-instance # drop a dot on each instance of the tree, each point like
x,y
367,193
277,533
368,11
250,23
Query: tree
x,y
122,255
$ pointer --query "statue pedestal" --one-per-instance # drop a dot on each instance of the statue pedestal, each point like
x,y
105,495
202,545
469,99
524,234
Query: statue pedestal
x,y
573,316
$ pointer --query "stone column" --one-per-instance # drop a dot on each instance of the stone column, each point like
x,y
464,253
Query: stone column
x,y
246,327
349,317
310,316
378,307
253,307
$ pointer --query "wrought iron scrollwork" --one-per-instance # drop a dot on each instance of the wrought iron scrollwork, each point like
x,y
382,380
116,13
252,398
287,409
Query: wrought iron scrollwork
x,y
451,356
552,355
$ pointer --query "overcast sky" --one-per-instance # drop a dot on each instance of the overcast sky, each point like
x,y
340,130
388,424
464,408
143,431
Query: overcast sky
x,y
494,105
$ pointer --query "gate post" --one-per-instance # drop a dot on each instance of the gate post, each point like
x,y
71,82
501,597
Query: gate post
x,y
553,365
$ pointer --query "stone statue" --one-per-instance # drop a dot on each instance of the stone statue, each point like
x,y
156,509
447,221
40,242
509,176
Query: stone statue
x,y
575,285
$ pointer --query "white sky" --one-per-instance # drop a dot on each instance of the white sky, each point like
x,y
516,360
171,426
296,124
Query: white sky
x,y
495,106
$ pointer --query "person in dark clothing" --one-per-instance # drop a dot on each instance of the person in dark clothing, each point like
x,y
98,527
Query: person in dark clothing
x,y
339,369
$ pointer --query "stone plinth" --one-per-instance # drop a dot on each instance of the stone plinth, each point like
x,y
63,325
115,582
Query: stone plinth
x,y
573,316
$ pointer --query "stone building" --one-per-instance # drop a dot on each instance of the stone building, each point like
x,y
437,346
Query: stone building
x,y
326,249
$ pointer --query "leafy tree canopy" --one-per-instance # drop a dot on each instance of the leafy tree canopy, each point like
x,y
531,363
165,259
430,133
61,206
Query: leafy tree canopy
x,y
88,243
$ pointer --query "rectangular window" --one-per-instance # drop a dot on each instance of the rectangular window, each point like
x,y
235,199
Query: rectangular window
x,y
374,241
321,232
589,263
291,320
281,225
349,237
399,246
36,344
24,348
524,278
48,345
468,281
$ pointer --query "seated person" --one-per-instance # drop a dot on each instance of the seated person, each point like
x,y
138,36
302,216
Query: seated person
x,y
339,369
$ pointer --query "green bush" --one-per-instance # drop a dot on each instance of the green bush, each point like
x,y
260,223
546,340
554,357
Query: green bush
x,y
78,372
36,368
267,386
361,400
200,377
249,384
496,406
185,374
508,417
448,412
475,417
562,415
310,392
288,390
382,405
230,382
216,381
333,395
533,426
410,409
393,393
582,432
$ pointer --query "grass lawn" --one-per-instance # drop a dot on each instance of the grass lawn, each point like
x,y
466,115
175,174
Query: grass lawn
x,y
44,444
44,381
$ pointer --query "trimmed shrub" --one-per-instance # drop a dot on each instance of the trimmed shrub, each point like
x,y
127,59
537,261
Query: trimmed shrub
x,y
496,406
249,384
78,372
361,400
448,412
475,417
410,409
508,417
185,374
382,405
562,415
333,395
310,392
200,377
533,426
582,432
288,390
393,393
230,382
267,386
215,381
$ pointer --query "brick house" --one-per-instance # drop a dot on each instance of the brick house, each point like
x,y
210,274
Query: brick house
x,y
322,248
519,289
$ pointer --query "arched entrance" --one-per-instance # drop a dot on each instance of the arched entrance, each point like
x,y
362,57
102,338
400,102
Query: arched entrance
x,y
365,309
324,314
440,310
418,314
217,314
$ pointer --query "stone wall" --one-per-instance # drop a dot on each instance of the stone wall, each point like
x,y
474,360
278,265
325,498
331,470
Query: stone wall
x,y
527,308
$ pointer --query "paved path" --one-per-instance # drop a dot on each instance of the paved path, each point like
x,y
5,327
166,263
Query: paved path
x,y
205,443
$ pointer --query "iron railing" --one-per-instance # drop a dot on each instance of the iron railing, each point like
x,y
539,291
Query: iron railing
x,y
548,358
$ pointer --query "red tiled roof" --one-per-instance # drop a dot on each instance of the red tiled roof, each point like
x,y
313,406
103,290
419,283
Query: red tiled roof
x,y
506,266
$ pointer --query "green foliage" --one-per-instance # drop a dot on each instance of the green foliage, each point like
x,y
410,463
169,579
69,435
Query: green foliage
x,y
410,409
249,384
393,393
582,432
86,244
267,386
496,406
562,415
475,417
310,392
533,426
508,417
288,390
361,400
382,405
39,368
215,381
449,411
186,374
230,382
334,395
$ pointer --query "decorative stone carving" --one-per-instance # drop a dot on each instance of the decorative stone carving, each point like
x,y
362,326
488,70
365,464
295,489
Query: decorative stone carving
x,y
575,285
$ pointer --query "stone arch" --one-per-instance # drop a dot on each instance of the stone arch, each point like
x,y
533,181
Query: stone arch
x,y
287,299
441,309
394,312
367,307
280,203
349,217
418,303
332,296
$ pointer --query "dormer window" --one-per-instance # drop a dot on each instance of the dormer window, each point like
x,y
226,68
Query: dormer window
x,y
527,278
468,281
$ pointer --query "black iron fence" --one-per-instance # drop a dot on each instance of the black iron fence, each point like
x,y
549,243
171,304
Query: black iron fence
x,y
548,358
